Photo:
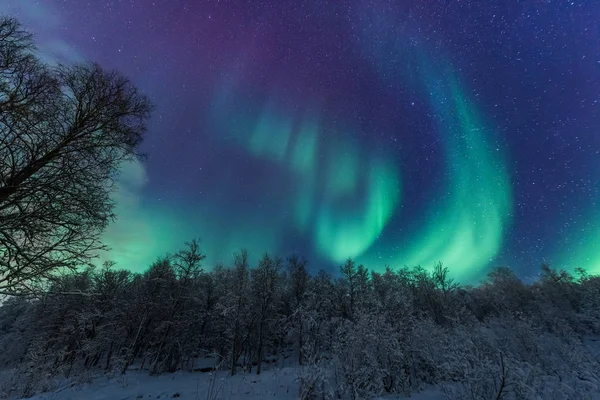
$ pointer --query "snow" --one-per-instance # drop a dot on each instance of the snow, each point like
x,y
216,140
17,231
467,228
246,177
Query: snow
x,y
428,394
277,384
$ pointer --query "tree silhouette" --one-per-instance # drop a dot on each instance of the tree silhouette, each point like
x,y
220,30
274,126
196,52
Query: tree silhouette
x,y
64,133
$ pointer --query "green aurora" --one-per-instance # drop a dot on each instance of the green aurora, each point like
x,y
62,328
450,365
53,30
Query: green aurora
x,y
346,198
468,215
467,219
240,95
345,194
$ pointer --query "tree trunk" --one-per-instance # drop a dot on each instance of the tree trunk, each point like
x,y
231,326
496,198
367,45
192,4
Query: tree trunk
x,y
162,343
300,343
234,350
73,358
260,348
108,356
248,359
130,351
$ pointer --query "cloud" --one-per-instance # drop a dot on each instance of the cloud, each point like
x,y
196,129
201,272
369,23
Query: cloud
x,y
42,15
45,22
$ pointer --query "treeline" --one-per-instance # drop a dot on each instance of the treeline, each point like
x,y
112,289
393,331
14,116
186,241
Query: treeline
x,y
354,335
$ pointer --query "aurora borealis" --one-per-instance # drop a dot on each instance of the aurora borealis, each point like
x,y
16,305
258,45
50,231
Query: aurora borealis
x,y
400,133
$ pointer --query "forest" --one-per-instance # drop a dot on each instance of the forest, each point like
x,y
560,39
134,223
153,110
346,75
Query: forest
x,y
355,334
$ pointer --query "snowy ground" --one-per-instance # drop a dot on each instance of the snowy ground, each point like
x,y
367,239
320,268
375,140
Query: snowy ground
x,y
279,384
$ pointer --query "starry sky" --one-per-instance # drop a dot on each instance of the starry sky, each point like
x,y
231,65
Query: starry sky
x,y
393,132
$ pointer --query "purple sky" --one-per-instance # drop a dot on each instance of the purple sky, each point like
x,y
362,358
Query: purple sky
x,y
398,174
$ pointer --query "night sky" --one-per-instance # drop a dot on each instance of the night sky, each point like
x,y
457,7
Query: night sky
x,y
394,132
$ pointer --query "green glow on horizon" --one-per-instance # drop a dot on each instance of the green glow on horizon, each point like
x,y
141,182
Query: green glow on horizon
x,y
144,231
586,253
587,256
141,232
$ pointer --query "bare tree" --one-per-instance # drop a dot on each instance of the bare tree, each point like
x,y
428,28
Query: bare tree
x,y
235,306
64,133
264,286
349,278
188,261
298,285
